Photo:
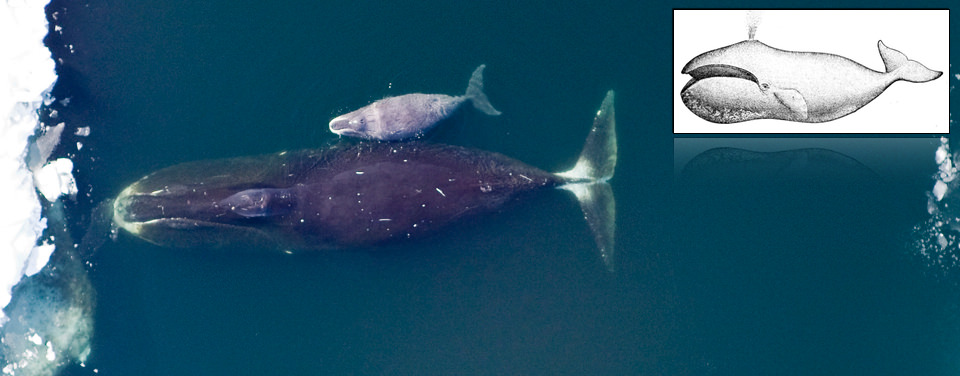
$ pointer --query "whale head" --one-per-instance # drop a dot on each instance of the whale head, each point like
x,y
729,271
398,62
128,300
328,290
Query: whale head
x,y
360,123
725,87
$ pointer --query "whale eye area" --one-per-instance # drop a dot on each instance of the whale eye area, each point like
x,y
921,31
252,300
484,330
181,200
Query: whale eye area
x,y
358,124
764,86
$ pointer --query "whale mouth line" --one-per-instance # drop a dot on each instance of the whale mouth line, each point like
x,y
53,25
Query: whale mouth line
x,y
348,132
719,70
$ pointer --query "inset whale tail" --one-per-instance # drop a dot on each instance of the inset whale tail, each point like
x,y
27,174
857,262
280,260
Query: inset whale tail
x,y
588,179
475,93
903,68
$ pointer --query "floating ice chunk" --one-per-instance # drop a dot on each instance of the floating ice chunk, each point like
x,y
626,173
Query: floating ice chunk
x,y
82,131
939,189
932,207
38,259
56,179
51,355
43,147
947,170
941,154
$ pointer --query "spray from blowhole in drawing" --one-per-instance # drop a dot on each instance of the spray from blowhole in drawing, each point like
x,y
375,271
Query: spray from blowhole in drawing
x,y
753,20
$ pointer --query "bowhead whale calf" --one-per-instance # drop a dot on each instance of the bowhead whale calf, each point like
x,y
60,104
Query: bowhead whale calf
x,y
751,80
356,194
410,115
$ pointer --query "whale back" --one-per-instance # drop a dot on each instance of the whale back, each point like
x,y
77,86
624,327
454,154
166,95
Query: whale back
x,y
345,196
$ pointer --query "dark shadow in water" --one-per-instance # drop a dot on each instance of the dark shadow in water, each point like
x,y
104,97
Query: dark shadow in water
x,y
738,166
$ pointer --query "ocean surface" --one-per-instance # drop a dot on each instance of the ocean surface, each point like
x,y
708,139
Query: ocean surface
x,y
802,263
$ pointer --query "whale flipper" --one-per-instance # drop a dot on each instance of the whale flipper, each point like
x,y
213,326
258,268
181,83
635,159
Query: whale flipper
x,y
903,68
793,100
263,202
475,93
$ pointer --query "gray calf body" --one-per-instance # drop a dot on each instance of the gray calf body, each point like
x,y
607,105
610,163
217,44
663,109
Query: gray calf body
x,y
410,115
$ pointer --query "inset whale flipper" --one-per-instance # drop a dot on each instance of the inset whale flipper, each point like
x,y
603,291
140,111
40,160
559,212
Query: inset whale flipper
x,y
588,179
263,202
905,69
793,100
476,95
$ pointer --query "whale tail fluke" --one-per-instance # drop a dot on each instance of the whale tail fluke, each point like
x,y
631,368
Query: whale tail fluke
x,y
903,68
588,179
476,95
598,159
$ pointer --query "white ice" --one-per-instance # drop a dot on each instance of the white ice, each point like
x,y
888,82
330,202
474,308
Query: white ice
x,y
26,74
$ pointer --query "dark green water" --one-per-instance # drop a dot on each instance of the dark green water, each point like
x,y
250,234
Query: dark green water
x,y
753,274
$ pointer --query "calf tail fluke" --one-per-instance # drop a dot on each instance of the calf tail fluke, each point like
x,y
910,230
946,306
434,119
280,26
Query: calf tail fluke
x,y
588,180
475,93
903,68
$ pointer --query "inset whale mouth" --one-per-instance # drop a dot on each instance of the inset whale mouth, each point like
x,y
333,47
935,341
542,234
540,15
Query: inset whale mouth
x,y
721,70
718,70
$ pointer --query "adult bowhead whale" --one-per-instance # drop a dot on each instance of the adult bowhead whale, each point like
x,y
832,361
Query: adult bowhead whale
x,y
356,194
751,80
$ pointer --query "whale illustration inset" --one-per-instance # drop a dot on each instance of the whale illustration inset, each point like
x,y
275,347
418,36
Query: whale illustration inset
x,y
750,80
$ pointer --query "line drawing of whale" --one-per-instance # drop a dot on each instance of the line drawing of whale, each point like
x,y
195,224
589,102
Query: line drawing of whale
x,y
750,80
